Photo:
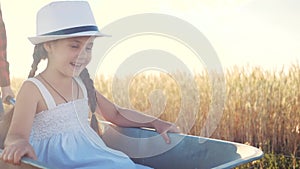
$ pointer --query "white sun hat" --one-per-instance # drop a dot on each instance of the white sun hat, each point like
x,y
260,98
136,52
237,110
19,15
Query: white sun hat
x,y
64,19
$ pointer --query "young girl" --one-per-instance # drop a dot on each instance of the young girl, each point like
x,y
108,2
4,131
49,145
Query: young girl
x,y
50,120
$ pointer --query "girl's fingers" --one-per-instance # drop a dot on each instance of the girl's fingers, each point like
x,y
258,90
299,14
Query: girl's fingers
x,y
14,156
174,129
31,155
166,137
8,156
17,158
18,155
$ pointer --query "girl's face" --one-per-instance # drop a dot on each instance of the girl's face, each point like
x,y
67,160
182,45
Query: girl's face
x,y
69,56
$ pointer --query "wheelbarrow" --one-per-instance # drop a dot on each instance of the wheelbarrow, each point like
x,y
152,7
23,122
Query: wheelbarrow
x,y
147,147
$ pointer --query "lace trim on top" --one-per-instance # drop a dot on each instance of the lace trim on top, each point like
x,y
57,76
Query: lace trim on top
x,y
60,119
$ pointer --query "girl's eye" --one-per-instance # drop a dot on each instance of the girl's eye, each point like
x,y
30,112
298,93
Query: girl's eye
x,y
74,46
89,48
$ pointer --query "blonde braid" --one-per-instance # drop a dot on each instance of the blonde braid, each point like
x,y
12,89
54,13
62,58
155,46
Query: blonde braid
x,y
39,53
89,84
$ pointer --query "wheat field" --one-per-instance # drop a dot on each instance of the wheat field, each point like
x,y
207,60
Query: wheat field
x,y
260,108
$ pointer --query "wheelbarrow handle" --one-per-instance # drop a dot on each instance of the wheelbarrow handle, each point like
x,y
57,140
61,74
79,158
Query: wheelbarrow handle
x,y
10,100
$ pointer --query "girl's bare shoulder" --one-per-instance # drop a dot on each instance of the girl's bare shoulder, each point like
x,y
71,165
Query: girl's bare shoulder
x,y
28,88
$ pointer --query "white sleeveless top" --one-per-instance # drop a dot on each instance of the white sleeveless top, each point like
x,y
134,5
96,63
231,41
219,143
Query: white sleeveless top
x,y
62,137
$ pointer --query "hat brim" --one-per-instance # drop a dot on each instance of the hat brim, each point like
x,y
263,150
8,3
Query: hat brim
x,y
41,39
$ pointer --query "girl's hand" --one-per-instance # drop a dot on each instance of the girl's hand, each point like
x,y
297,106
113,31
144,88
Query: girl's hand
x,y
163,127
14,152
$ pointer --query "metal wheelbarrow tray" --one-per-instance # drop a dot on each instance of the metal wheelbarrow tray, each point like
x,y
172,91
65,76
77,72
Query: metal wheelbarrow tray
x,y
147,147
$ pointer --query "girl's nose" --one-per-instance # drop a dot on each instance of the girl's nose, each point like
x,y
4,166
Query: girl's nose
x,y
82,54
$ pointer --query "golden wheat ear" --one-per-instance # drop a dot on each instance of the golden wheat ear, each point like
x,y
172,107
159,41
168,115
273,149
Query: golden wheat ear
x,y
5,121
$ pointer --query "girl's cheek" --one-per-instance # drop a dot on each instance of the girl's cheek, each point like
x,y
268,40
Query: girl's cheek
x,y
89,58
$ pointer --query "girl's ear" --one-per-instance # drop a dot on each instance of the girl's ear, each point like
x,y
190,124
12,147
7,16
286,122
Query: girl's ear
x,y
47,46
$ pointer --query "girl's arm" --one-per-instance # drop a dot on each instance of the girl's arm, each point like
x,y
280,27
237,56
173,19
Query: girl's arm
x,y
130,118
16,144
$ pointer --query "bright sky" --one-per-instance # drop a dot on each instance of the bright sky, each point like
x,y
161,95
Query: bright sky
x,y
254,32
